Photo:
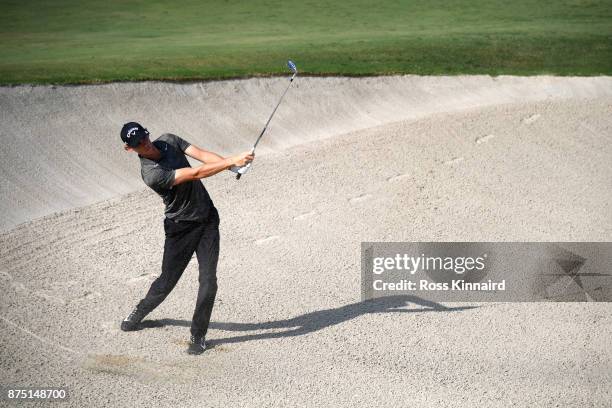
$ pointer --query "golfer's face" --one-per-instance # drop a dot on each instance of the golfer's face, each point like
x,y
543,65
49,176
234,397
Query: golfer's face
x,y
144,146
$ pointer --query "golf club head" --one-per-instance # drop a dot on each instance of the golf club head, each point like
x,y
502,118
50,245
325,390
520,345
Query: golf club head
x,y
292,67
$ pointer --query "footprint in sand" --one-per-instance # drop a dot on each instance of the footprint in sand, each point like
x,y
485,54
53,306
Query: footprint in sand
x,y
360,198
484,139
304,216
119,365
110,327
398,177
20,288
51,299
531,119
453,161
264,241
87,295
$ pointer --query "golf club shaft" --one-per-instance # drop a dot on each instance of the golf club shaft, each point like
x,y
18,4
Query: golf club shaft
x,y
273,112
268,122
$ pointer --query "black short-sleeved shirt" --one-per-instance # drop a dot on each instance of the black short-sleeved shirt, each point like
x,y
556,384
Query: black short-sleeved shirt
x,y
187,201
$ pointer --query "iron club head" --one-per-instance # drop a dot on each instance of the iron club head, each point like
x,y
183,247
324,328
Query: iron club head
x,y
292,67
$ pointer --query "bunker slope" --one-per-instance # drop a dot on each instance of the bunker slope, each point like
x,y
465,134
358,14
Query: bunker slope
x,y
504,159
61,149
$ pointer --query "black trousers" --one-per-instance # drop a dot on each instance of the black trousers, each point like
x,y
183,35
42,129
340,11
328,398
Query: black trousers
x,y
183,238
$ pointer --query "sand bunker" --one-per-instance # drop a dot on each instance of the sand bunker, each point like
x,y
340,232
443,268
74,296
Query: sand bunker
x,y
348,160
60,147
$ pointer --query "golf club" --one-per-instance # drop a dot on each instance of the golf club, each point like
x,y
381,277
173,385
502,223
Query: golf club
x,y
242,170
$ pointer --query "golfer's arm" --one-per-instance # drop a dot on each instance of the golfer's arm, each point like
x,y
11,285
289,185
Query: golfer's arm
x,y
202,155
195,173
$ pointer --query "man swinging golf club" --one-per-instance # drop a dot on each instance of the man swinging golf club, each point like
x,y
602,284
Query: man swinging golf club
x,y
191,223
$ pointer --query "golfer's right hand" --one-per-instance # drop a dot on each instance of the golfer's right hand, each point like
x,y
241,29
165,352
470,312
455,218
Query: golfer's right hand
x,y
243,159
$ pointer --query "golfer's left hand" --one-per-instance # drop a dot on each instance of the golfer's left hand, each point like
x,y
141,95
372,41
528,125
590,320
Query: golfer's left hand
x,y
242,159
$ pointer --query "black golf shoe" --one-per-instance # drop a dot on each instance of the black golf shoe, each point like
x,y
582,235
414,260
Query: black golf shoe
x,y
132,322
196,345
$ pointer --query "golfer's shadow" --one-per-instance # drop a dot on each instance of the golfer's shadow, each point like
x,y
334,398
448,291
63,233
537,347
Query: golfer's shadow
x,y
314,321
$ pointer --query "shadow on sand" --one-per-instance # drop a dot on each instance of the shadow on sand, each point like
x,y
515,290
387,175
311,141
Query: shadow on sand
x,y
314,321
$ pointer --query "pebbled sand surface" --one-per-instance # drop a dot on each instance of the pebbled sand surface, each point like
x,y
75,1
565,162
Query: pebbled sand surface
x,y
288,328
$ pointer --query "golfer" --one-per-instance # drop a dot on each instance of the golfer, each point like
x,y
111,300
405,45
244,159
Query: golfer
x,y
191,221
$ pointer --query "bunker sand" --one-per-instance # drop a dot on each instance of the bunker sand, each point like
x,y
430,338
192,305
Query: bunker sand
x,y
401,159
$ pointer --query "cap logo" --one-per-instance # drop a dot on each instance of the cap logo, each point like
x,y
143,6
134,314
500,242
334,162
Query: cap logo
x,y
131,132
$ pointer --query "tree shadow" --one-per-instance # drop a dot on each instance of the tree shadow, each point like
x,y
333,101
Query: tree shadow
x,y
317,320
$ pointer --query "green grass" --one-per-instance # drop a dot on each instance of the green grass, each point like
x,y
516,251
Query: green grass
x,y
88,41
